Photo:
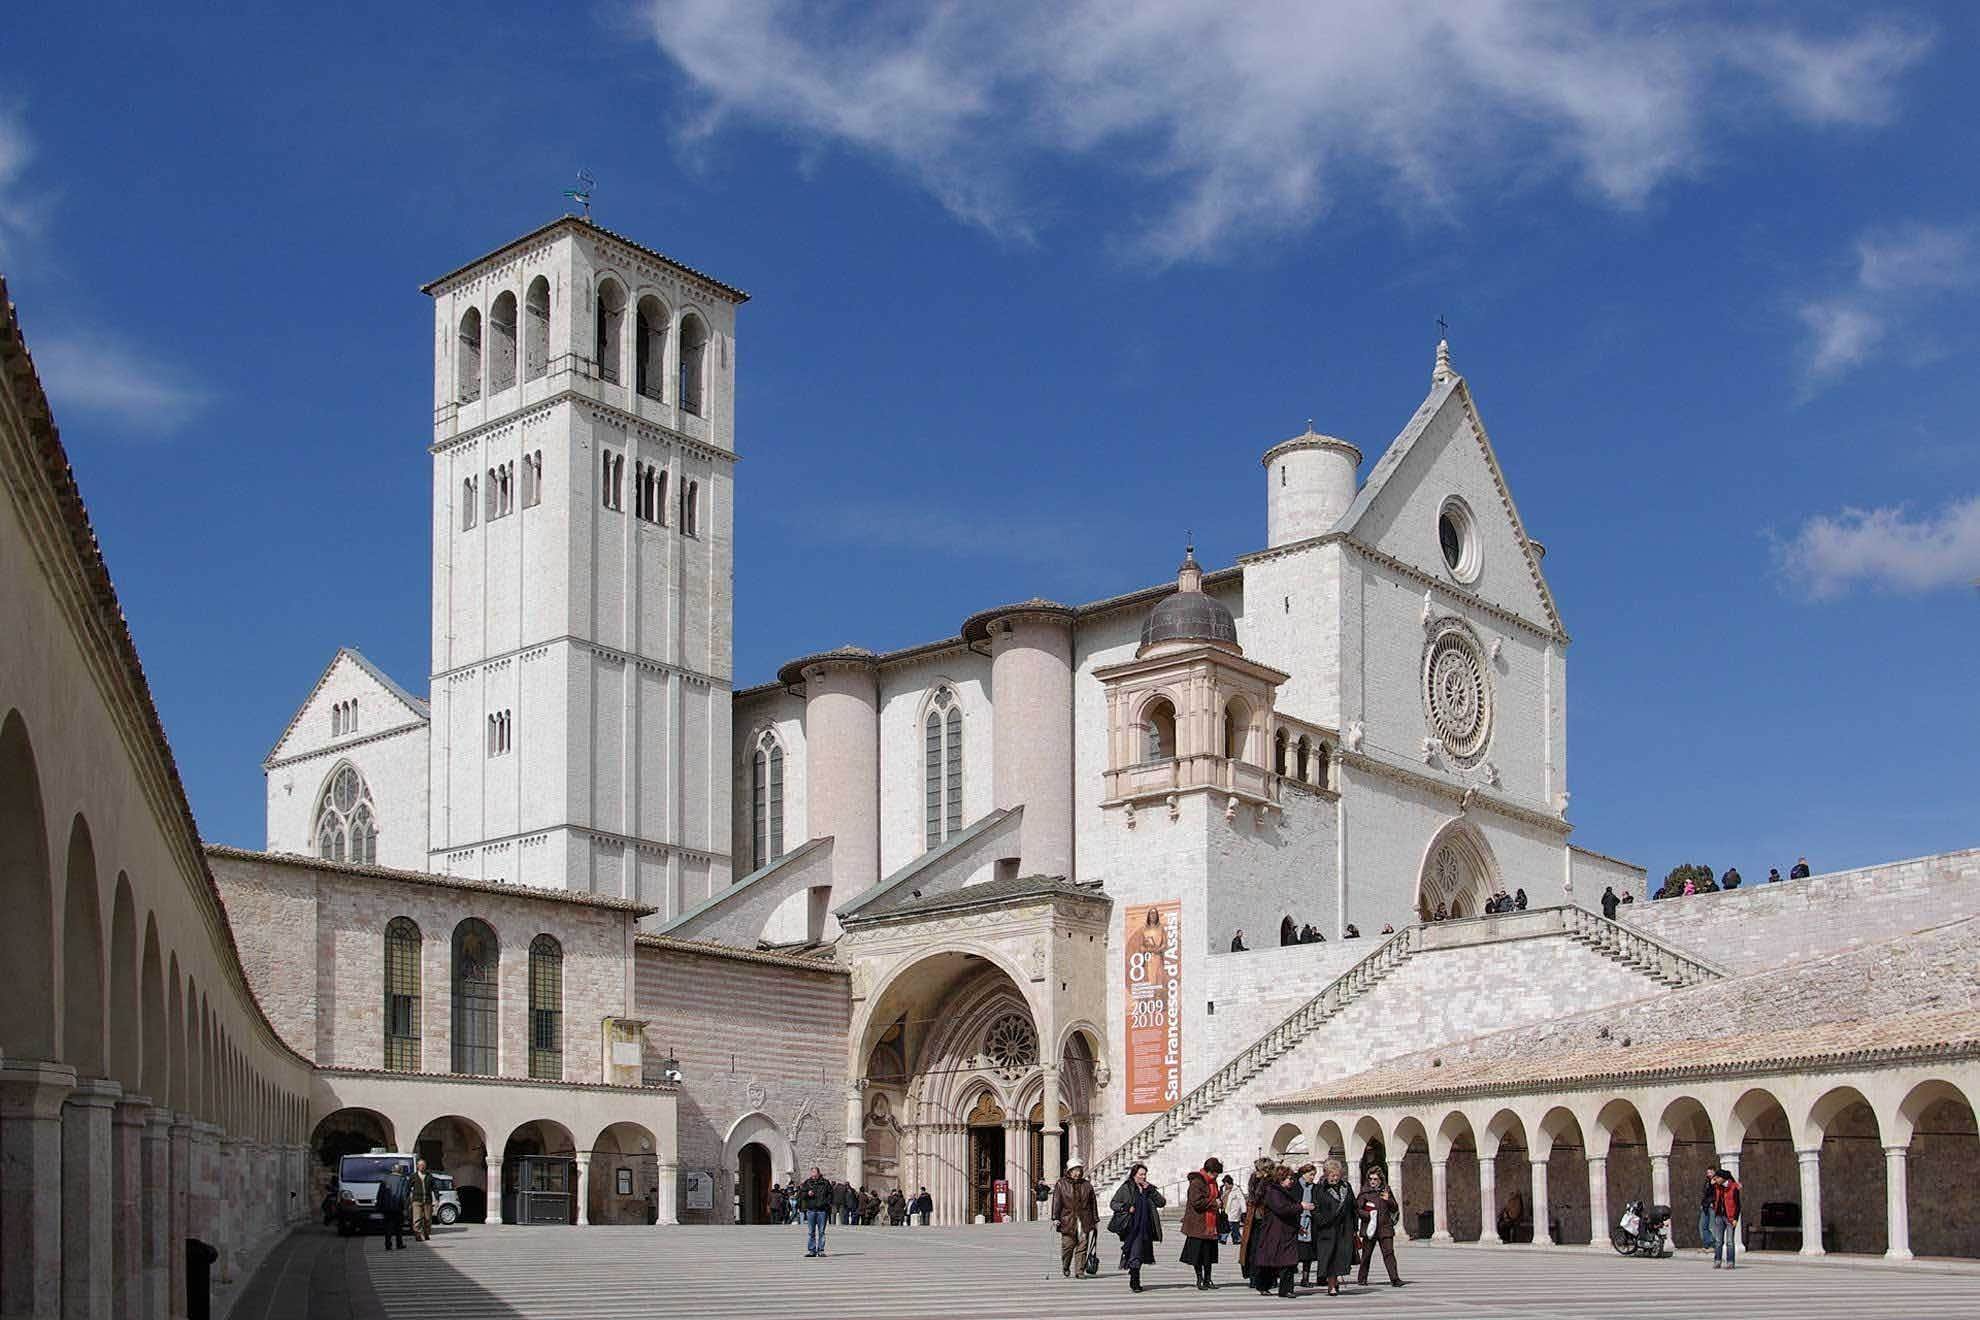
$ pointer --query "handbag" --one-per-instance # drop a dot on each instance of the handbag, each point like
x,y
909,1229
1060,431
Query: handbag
x,y
1120,1223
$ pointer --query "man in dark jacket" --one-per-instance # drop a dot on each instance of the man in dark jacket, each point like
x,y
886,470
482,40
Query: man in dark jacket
x,y
1610,902
1799,871
848,1201
814,1202
392,1201
1075,1212
924,1206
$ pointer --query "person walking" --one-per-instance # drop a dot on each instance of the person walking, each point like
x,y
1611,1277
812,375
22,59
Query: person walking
x,y
1725,1218
1275,1232
1610,902
814,1201
848,1199
1075,1212
1708,1204
896,1208
1376,1213
924,1206
1308,1177
1333,1227
1202,1206
1254,1189
392,1206
1232,1219
1137,1221
421,1188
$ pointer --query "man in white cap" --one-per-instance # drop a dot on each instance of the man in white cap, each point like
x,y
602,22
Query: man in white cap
x,y
1076,1214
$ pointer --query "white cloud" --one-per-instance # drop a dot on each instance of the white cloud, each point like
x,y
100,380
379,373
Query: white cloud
x,y
1212,122
20,215
1900,271
1885,549
99,376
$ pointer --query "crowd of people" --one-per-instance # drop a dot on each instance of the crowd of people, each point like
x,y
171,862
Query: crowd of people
x,y
842,1203
1292,1227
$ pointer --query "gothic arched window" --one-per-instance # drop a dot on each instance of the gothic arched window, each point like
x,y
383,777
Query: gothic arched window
x,y
766,802
476,998
942,766
1279,753
346,821
546,1009
694,348
1237,730
1320,759
1158,731
650,348
610,338
502,342
467,358
402,948
536,329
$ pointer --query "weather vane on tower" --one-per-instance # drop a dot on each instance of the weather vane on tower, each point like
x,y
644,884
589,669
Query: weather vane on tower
x,y
582,193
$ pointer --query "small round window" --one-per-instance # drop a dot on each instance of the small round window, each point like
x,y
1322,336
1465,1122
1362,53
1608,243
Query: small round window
x,y
1457,537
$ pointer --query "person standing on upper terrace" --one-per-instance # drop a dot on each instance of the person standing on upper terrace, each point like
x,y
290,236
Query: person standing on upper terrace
x,y
1800,870
1237,942
1610,902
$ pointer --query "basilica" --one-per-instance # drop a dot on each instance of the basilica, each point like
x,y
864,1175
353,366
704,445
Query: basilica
x,y
610,938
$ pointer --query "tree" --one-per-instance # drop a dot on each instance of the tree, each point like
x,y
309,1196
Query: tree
x,y
1699,874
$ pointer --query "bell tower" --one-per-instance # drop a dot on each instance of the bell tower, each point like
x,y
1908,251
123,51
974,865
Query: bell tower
x,y
583,456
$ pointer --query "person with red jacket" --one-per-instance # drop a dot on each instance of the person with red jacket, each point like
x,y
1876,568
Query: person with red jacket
x,y
1725,1217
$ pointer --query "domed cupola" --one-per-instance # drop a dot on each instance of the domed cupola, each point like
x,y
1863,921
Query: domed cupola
x,y
1189,615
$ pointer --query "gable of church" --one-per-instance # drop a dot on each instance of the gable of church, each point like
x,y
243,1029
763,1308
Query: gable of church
x,y
1444,460
352,699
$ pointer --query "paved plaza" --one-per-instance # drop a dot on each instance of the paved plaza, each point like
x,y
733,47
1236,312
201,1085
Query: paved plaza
x,y
891,1274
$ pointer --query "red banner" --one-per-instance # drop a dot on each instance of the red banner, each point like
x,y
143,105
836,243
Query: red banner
x,y
1154,1006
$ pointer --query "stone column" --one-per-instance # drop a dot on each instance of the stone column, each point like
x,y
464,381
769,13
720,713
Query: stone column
x,y
1017,1167
959,1173
1053,1128
1811,1200
204,1220
583,1188
670,1193
1440,1202
855,1132
31,1096
1598,1201
1488,1199
126,1241
88,1192
1660,1194
1394,1182
1897,1208
179,1217
226,1153
494,1189
1540,1216
155,1215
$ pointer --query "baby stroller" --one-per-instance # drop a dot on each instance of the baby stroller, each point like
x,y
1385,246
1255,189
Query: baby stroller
x,y
1641,1233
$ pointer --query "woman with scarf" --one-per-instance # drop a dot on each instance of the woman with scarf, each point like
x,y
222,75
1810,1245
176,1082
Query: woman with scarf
x,y
1275,1240
1137,1221
1308,1180
1254,1189
1333,1227
1201,1208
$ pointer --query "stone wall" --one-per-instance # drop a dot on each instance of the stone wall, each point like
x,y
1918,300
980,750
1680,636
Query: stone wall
x,y
1763,925
756,1035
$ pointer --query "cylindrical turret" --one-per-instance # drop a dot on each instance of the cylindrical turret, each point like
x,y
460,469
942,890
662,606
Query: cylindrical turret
x,y
842,761
1031,687
1310,481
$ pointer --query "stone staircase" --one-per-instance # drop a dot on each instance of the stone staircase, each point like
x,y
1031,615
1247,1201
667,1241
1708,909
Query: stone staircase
x,y
1656,960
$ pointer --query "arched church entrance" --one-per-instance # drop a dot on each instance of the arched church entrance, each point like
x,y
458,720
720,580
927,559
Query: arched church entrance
x,y
753,1184
953,1079
1458,873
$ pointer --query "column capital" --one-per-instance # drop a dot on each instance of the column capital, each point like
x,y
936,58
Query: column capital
x,y
34,1088
1809,1156
95,1093
1894,1152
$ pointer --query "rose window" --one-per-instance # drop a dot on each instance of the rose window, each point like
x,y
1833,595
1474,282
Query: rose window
x,y
1011,1045
1457,694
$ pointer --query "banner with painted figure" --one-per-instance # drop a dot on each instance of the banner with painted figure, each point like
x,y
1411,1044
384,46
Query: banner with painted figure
x,y
1154,1006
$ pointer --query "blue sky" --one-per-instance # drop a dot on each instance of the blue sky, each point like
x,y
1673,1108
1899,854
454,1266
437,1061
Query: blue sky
x,y
1036,283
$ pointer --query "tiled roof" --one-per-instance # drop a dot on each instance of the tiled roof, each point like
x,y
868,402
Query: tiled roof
x,y
998,892
1867,1040
587,226
434,880
821,962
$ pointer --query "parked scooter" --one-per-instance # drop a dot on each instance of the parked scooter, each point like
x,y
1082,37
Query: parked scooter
x,y
1639,1233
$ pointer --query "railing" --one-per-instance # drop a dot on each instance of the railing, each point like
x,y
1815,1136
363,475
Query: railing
x,y
1254,1058
1652,956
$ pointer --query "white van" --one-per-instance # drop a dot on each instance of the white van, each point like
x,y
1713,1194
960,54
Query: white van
x,y
358,1177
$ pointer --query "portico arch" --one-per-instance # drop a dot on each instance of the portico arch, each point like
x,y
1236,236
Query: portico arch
x,y
27,939
1458,871
458,1147
624,1182
757,1129
1561,1149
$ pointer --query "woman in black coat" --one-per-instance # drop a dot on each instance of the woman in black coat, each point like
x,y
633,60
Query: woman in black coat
x,y
1275,1239
1333,1227
1137,1208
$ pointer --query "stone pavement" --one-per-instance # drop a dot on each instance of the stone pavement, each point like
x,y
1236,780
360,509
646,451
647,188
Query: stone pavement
x,y
484,1273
